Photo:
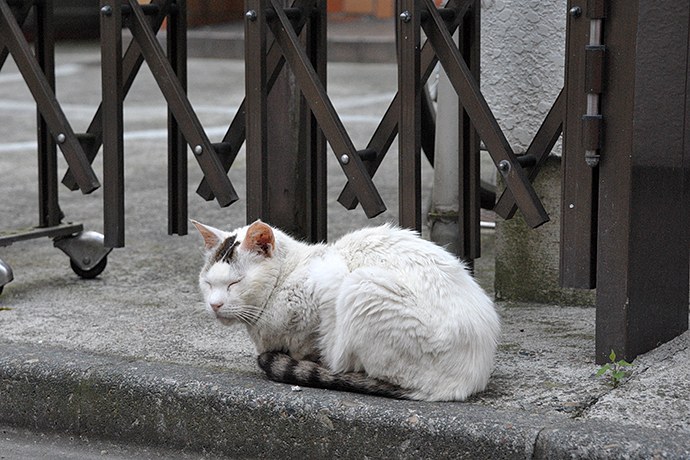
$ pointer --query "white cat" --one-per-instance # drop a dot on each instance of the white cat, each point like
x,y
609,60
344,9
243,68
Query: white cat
x,y
379,311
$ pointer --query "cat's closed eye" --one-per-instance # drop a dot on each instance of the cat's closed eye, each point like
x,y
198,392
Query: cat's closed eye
x,y
233,283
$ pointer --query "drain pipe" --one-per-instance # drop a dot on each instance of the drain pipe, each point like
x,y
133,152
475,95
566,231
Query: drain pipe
x,y
443,212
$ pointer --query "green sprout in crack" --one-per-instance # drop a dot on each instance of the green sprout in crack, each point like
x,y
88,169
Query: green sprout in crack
x,y
616,370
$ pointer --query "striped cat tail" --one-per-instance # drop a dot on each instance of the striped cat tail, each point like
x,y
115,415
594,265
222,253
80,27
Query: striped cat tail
x,y
280,367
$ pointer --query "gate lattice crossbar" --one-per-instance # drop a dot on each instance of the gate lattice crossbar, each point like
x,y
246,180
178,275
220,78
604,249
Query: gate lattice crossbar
x,y
474,104
316,98
12,41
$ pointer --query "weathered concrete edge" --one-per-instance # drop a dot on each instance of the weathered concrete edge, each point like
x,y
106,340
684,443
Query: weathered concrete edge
x,y
201,409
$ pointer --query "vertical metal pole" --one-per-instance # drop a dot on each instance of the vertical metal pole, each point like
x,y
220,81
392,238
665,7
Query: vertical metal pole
x,y
642,253
288,152
316,172
409,138
579,181
469,238
256,98
113,150
49,210
177,146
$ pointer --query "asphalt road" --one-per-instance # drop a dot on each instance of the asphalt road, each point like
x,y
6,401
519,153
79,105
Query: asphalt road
x,y
22,444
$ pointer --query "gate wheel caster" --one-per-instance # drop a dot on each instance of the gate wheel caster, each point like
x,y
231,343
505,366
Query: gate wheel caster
x,y
87,255
91,273
5,275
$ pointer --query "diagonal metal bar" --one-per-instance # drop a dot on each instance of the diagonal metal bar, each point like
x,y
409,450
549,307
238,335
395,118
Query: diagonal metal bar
x,y
235,135
540,147
482,118
428,125
387,129
180,107
131,63
11,34
325,114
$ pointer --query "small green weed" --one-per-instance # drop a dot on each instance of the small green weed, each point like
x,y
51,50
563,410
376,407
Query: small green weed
x,y
617,370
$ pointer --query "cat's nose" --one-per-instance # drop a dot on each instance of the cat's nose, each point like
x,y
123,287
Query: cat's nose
x,y
216,306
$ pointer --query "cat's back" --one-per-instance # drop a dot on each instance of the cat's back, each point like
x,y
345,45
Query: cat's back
x,y
391,247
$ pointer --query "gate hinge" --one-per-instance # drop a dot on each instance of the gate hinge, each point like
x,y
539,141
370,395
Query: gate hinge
x,y
594,68
592,127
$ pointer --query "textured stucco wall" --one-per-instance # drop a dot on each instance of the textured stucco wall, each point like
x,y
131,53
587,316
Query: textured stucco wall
x,y
523,56
523,53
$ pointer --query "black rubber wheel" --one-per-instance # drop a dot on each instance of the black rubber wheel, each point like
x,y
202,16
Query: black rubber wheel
x,y
89,274
1,288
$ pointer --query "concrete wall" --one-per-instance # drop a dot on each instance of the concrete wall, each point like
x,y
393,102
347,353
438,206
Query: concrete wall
x,y
523,50
523,55
527,259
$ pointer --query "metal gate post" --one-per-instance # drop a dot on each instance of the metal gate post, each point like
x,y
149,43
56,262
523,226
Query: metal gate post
x,y
409,138
291,155
176,42
579,184
49,213
256,97
113,125
469,237
312,138
643,236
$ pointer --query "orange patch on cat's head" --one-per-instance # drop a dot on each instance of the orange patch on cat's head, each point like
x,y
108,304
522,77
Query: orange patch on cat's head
x,y
259,238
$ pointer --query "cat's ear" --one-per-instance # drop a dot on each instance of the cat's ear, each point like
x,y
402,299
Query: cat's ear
x,y
259,238
212,236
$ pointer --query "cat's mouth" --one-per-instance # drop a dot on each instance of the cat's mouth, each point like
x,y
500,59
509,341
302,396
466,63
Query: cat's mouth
x,y
226,321
225,318
246,314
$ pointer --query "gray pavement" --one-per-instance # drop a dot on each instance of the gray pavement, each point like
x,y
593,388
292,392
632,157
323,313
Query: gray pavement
x,y
23,444
131,356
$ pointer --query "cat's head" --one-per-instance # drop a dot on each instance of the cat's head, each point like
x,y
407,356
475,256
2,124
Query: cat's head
x,y
238,275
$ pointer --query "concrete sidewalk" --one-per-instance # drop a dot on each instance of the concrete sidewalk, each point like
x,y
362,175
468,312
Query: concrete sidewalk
x,y
132,355
349,40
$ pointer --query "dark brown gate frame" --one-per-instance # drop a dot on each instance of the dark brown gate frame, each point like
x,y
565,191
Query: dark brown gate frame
x,y
85,249
131,63
425,14
184,127
626,223
262,14
351,160
39,74
308,21
53,122
387,130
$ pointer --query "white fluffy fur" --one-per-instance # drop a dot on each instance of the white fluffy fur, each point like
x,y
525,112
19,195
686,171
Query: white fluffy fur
x,y
379,300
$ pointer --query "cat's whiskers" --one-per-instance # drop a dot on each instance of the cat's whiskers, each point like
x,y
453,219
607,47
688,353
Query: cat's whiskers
x,y
249,314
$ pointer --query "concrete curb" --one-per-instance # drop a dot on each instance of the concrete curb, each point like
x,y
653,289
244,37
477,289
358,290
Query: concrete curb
x,y
227,42
208,410
229,45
